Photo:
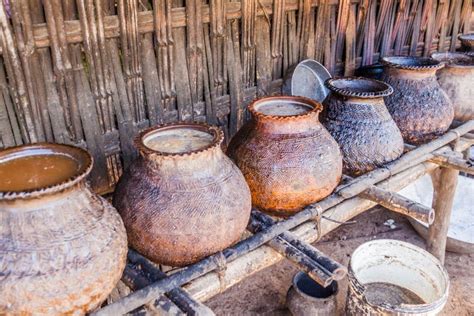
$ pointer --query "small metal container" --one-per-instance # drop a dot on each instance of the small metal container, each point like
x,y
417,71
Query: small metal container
x,y
306,297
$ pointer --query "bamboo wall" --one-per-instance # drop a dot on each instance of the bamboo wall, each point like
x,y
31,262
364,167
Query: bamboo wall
x,y
95,72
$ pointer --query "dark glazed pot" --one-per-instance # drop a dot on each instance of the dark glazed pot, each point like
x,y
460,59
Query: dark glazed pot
x,y
457,80
306,297
287,157
356,116
62,247
183,199
419,107
467,41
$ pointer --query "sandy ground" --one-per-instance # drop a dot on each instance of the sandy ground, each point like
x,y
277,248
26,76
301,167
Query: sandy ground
x,y
264,293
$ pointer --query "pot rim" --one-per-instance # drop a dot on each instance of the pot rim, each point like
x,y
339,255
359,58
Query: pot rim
x,y
216,132
467,37
385,89
72,151
316,107
301,274
445,58
412,63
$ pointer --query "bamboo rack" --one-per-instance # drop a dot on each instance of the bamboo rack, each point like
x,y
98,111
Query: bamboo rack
x,y
93,73
267,245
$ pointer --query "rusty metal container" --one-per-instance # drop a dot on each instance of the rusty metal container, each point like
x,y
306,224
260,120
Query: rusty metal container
x,y
356,116
183,199
62,247
287,157
457,80
419,106
306,297
391,277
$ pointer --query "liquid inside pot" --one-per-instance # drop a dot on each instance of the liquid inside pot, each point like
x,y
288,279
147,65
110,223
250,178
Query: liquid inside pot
x,y
178,140
29,172
281,108
378,293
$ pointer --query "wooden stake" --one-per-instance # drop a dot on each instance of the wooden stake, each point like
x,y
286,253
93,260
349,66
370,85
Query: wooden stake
x,y
444,184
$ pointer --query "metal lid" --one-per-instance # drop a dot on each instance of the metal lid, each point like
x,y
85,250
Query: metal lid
x,y
307,79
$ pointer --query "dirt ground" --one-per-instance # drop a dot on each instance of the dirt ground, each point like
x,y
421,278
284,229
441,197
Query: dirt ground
x,y
264,293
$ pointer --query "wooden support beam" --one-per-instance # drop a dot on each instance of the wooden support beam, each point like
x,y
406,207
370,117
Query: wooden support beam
x,y
451,161
318,266
178,296
400,204
444,184
161,306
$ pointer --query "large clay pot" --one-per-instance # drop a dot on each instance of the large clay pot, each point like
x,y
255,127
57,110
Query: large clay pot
x,y
287,157
356,116
62,247
183,199
419,106
457,80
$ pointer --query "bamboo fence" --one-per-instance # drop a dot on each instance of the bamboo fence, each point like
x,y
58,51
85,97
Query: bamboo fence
x,y
93,73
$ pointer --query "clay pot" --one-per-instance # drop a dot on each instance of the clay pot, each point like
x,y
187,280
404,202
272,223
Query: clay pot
x,y
287,157
306,297
467,42
356,116
419,106
183,199
62,247
457,80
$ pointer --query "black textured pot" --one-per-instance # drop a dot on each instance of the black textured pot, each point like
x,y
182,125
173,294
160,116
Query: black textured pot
x,y
419,106
356,116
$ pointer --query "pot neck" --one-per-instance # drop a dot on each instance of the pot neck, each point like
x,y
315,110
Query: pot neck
x,y
357,100
408,74
42,201
184,162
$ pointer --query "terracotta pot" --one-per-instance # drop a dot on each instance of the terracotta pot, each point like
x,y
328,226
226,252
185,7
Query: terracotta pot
x,y
63,248
183,199
419,106
457,80
467,41
356,116
306,297
287,157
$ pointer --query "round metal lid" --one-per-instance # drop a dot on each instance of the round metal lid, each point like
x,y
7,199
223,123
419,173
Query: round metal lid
x,y
307,79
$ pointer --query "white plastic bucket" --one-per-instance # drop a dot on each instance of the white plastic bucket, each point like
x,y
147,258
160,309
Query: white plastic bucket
x,y
396,264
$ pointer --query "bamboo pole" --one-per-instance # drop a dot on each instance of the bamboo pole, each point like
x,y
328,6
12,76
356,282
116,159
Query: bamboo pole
x,y
450,161
213,262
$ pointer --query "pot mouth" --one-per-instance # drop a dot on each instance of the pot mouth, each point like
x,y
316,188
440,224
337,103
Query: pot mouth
x,y
30,171
454,60
309,288
359,87
283,107
179,139
467,38
412,63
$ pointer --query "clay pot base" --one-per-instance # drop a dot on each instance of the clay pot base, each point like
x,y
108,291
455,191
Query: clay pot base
x,y
34,167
